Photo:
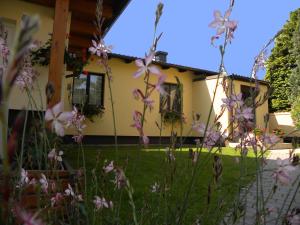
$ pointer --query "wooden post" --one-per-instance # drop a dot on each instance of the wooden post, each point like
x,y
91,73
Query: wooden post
x,y
56,67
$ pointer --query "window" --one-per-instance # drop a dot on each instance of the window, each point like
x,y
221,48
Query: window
x,y
88,89
171,102
248,95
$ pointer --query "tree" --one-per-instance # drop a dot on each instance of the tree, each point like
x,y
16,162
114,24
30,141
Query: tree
x,y
295,76
281,64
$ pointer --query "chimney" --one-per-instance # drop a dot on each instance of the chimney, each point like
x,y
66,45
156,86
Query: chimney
x,y
160,56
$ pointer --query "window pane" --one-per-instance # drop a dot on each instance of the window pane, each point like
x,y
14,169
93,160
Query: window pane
x,y
172,98
79,89
95,92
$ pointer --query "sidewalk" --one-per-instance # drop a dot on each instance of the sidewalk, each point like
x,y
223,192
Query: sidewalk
x,y
276,202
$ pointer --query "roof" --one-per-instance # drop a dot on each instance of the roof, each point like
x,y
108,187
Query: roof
x,y
247,79
235,77
165,65
82,27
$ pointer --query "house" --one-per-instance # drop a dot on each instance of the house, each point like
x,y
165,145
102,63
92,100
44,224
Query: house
x,y
198,87
198,84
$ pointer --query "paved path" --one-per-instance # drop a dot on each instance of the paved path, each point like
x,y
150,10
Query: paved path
x,y
278,198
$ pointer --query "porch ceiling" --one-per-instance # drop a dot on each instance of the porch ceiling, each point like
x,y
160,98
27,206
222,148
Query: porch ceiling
x,y
83,17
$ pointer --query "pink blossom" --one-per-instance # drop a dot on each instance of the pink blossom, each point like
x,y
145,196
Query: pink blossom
x,y
58,118
69,191
294,218
110,167
260,63
24,177
78,138
137,94
100,49
77,121
281,174
27,218
101,203
145,67
52,155
222,24
232,101
137,116
269,139
149,103
244,113
212,137
26,75
159,84
44,183
145,140
56,199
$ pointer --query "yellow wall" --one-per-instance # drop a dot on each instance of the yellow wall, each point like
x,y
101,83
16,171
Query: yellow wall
x,y
13,10
122,86
203,92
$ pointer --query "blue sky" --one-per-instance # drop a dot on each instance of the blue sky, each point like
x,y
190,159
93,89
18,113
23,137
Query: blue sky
x,y
186,35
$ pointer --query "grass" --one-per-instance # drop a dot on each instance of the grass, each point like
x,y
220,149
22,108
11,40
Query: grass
x,y
145,167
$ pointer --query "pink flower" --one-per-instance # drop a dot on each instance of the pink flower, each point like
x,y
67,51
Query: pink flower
x,y
26,75
145,140
56,199
232,101
260,63
101,203
78,138
149,103
110,167
100,49
159,84
281,174
244,113
77,121
137,93
24,177
27,218
145,67
44,183
212,137
52,155
269,139
69,191
137,116
58,118
222,24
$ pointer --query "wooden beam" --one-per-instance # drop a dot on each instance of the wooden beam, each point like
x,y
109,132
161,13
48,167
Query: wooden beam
x,y
80,41
82,27
88,8
83,8
56,67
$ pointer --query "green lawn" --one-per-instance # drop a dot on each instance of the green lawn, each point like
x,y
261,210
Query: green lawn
x,y
145,167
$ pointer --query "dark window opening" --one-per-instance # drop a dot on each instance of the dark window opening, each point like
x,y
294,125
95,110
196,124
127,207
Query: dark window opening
x,y
248,95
